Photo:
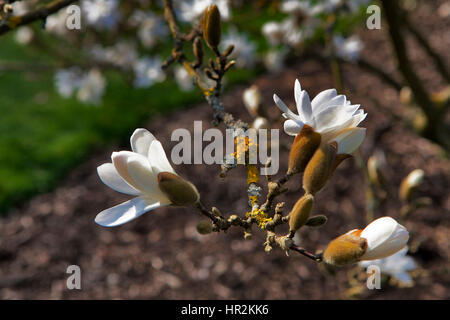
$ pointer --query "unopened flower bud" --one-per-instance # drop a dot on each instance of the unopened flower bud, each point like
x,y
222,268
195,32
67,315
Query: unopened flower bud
x,y
179,191
303,148
248,235
410,184
380,239
319,168
252,100
316,221
234,219
300,212
211,26
204,227
260,123
346,249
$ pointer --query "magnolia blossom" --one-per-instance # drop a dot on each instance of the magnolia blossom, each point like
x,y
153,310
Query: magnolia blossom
x,y
252,99
24,35
244,49
67,81
384,236
397,266
151,28
300,8
190,10
136,173
102,14
148,71
183,79
348,49
123,54
92,86
274,59
330,114
56,23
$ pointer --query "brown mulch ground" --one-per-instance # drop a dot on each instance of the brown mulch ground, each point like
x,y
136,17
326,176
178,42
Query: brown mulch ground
x,y
161,256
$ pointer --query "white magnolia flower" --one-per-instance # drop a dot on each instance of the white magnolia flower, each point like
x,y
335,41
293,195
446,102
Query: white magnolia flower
x,y
92,86
274,59
24,35
20,7
273,31
260,123
103,14
348,49
244,49
56,23
252,99
136,173
191,10
183,79
151,28
397,266
330,114
300,8
384,236
148,71
123,54
67,81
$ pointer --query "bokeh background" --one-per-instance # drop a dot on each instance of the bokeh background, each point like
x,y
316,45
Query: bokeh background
x,y
71,97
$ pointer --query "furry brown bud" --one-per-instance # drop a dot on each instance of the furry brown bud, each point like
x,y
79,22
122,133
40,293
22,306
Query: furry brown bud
x,y
300,212
179,191
212,26
204,227
345,249
319,168
316,221
303,148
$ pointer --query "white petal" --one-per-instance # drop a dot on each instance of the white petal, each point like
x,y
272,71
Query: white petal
x,y
304,109
384,237
331,132
109,176
323,97
141,171
119,160
285,108
141,140
350,140
158,159
297,92
339,100
292,128
332,116
125,212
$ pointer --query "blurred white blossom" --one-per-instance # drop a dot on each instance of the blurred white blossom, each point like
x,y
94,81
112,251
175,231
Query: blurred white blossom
x,y
244,49
397,266
151,28
190,10
56,23
101,14
274,59
300,8
148,71
20,7
348,48
24,35
123,54
92,87
89,86
183,79
67,81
